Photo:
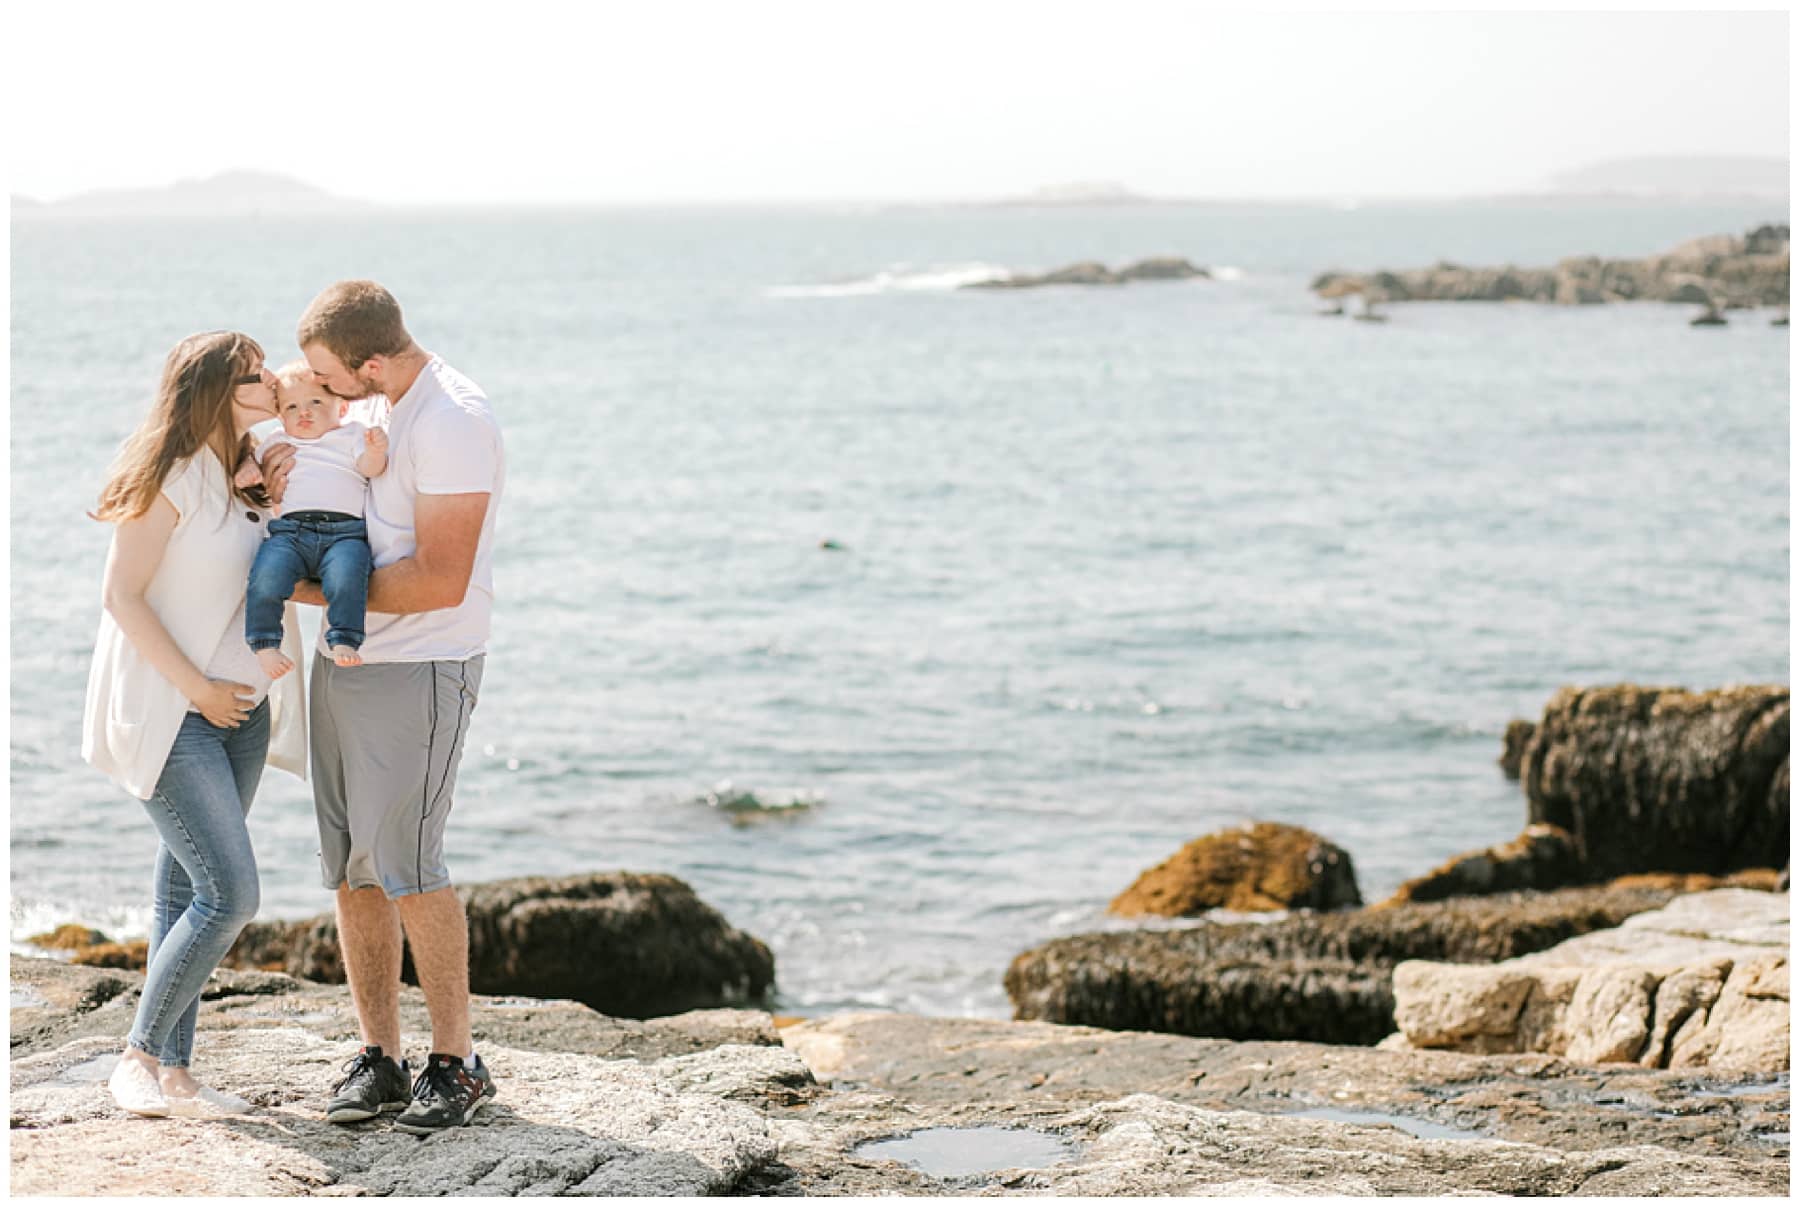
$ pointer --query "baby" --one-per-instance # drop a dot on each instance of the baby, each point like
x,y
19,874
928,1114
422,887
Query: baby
x,y
320,531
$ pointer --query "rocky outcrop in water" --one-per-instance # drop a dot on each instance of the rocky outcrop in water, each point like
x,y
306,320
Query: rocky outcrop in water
x,y
1701,982
1542,858
1721,270
1625,780
1663,780
709,1103
628,943
1320,977
1512,753
1248,869
1092,272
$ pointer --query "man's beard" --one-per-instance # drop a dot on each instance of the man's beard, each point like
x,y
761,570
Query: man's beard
x,y
367,391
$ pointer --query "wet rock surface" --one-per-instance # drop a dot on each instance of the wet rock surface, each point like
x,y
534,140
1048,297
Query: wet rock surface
x,y
706,1103
1164,1114
633,944
1322,977
1251,868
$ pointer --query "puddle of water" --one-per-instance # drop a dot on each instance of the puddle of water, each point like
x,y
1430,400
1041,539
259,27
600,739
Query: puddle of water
x,y
956,1152
1424,1129
1748,1090
89,1072
27,996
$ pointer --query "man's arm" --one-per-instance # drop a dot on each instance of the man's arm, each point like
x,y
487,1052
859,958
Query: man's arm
x,y
448,528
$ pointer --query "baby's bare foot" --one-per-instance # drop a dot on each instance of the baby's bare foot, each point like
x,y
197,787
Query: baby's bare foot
x,y
274,664
343,655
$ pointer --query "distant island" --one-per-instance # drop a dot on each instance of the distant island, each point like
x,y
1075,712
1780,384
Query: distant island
x,y
1678,176
1078,192
226,195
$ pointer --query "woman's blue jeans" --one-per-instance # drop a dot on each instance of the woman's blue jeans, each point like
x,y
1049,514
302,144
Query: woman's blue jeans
x,y
206,887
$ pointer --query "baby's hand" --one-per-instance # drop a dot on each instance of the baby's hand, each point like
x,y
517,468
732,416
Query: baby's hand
x,y
249,474
376,439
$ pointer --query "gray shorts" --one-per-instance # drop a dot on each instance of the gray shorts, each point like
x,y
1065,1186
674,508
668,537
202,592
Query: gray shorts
x,y
386,741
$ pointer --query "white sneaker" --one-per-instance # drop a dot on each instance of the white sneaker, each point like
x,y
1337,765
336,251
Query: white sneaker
x,y
208,1103
136,1089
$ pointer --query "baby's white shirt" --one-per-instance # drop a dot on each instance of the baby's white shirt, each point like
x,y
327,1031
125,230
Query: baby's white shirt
x,y
324,477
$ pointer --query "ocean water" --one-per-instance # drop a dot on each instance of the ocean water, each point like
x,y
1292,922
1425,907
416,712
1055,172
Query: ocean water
x,y
1114,568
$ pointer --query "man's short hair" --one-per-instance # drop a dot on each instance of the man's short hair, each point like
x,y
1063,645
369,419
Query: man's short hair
x,y
355,320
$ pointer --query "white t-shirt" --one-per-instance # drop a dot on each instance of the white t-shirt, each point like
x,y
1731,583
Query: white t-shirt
x,y
324,477
443,439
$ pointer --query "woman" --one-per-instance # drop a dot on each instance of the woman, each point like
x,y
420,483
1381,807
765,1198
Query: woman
x,y
179,712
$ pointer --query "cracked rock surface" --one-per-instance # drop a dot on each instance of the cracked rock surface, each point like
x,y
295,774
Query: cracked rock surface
x,y
719,1102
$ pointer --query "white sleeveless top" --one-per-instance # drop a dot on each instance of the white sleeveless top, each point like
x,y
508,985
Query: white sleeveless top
x,y
133,713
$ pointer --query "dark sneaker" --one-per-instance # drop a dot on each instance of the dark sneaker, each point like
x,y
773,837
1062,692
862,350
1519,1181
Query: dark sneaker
x,y
447,1094
372,1083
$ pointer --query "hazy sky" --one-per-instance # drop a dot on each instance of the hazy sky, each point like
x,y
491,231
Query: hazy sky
x,y
531,101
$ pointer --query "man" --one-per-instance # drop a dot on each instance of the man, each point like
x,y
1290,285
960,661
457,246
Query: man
x,y
388,735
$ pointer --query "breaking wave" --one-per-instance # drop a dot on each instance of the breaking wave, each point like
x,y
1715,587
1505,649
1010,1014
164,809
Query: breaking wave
x,y
898,278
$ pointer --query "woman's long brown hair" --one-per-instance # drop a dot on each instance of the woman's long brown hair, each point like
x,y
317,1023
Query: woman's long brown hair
x,y
192,411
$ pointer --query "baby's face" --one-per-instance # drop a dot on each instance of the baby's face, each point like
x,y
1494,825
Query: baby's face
x,y
306,410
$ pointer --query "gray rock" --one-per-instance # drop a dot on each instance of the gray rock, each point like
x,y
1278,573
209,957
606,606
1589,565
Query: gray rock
x,y
1133,1113
624,943
1703,981
563,1124
1163,1114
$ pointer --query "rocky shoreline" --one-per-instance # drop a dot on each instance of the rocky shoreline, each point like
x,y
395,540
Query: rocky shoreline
x,y
1600,1007
722,1102
1720,272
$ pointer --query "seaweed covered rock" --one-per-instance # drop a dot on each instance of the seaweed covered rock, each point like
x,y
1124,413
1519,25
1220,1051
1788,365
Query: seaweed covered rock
x,y
630,944
1542,858
1649,779
1265,866
1325,977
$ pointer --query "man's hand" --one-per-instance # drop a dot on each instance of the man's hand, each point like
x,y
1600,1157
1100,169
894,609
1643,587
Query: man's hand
x,y
276,467
308,591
